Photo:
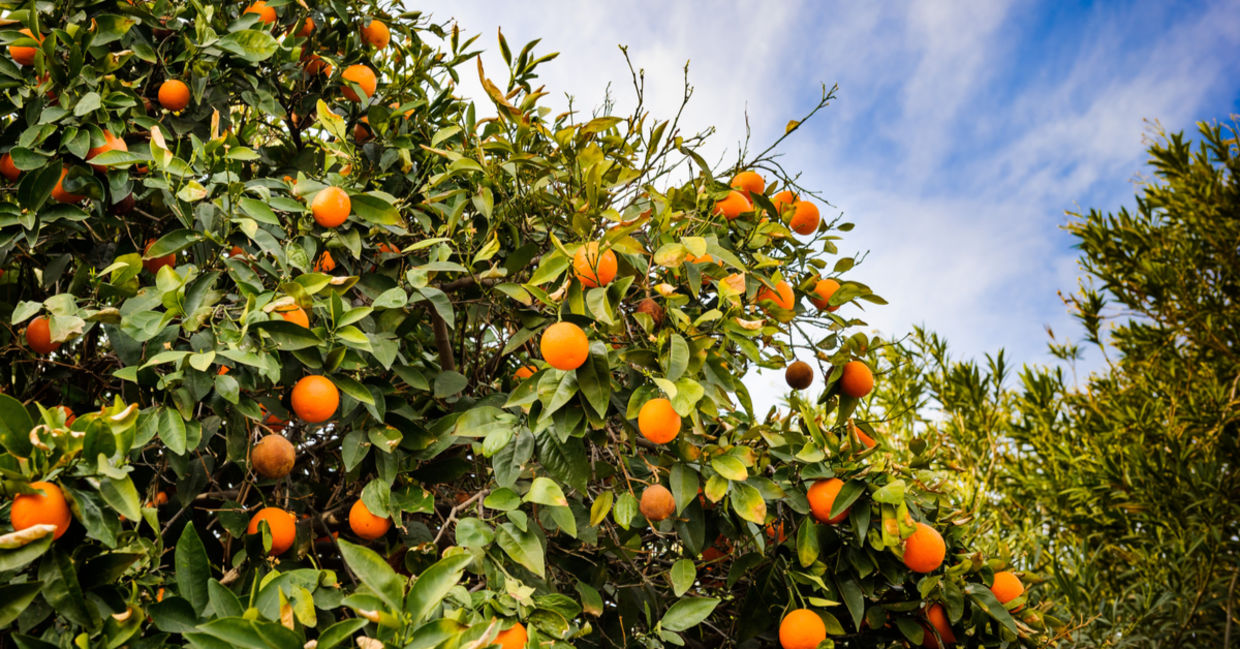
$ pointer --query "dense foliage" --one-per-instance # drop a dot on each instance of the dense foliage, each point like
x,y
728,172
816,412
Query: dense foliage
x,y
1126,486
224,223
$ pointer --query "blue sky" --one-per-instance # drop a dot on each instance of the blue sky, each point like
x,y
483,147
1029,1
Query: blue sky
x,y
962,131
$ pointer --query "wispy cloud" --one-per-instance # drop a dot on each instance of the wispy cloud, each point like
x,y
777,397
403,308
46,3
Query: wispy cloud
x,y
962,132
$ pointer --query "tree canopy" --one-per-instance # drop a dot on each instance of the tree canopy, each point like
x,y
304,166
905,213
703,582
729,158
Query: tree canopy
x,y
356,361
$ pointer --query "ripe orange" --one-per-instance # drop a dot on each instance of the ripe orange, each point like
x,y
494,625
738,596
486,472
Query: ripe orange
x,y
801,629
273,457
657,503
1007,587
153,264
514,637
58,192
822,293
9,169
937,618
387,248
525,372
361,75
924,550
799,375
594,269
331,207
315,399
325,263
24,55
733,205
775,532
865,439
658,421
39,336
376,34
805,218
365,524
306,29
315,65
748,182
822,496
361,130
266,15
783,199
48,508
110,143
295,315
173,95
782,296
857,379
564,346
283,528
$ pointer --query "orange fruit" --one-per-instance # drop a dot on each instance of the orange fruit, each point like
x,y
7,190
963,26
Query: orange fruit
x,y
924,550
283,528
161,499
857,379
658,421
24,55
39,336
652,309
704,259
361,75
782,296
69,416
315,65
325,263
58,192
387,248
799,375
822,496
271,419
937,618
801,629
315,399
306,29
153,264
361,130
775,532
733,205
9,169
365,524
266,15
110,143
514,637
593,269
331,207
564,346
748,182
273,457
173,95
1007,587
822,292
295,315
376,34
657,503
783,199
525,372
805,218
48,508
865,439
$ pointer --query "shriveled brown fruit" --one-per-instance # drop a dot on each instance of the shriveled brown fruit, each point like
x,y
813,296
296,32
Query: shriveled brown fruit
x,y
657,503
652,309
273,456
799,375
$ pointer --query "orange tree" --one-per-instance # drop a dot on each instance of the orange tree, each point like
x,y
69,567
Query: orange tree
x,y
353,363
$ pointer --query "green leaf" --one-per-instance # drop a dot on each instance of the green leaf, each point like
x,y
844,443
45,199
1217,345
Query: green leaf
x,y
249,44
729,467
14,598
600,507
373,571
682,575
193,569
523,547
259,211
747,502
339,632
121,495
688,613
61,589
677,358
684,483
890,494
15,425
14,558
374,209
591,600
172,430
173,242
986,599
848,495
545,492
433,585
288,336
473,533
807,543
251,634
853,599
